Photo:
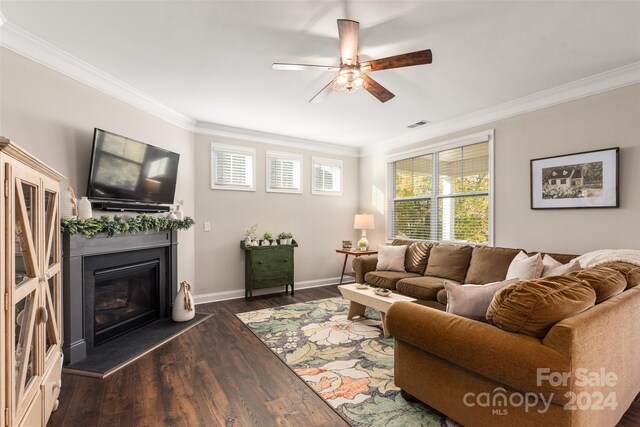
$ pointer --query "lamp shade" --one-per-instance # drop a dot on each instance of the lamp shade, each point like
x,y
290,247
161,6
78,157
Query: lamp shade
x,y
363,222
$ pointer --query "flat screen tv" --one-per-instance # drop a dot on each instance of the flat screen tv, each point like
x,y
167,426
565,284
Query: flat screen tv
x,y
128,170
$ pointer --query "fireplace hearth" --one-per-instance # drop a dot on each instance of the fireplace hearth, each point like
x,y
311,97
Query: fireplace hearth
x,y
113,286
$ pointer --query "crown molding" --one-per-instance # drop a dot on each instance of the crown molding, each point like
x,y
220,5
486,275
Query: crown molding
x,y
26,44
602,82
212,129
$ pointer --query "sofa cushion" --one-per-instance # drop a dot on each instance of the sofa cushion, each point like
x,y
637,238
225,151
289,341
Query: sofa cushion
x,y
607,282
417,256
532,307
630,272
525,267
563,258
424,287
391,258
489,264
442,297
552,267
386,279
449,262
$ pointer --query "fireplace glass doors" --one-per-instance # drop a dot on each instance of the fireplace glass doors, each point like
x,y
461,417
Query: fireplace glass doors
x,y
125,297
123,291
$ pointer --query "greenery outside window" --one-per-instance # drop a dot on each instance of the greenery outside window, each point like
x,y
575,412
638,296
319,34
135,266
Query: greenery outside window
x,y
232,167
443,195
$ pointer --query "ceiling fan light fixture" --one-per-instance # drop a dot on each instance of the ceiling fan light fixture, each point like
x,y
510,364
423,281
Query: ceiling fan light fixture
x,y
349,80
352,75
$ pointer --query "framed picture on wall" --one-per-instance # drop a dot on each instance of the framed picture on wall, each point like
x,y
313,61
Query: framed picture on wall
x,y
581,180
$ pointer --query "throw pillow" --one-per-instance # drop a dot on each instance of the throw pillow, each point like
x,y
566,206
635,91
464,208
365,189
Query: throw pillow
x,y
525,267
629,271
472,301
391,258
532,307
551,267
607,282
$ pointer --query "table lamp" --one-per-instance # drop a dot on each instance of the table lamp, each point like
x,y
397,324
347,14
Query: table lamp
x,y
363,222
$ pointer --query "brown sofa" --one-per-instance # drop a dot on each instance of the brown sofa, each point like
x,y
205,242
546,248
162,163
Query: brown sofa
x,y
429,265
481,375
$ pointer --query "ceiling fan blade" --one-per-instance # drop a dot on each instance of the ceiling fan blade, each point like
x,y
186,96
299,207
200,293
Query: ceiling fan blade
x,y
376,89
320,96
300,67
348,34
420,57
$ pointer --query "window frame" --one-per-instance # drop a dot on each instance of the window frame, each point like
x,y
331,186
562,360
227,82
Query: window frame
x,y
234,149
280,155
316,160
435,196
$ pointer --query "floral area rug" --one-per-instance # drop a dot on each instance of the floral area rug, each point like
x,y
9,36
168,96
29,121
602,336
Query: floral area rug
x,y
348,363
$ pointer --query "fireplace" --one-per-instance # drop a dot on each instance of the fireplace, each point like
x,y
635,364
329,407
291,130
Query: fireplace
x,y
125,297
113,286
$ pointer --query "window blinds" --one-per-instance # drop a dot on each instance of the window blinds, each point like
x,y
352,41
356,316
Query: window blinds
x,y
441,196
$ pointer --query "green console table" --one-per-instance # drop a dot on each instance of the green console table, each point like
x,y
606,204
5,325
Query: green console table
x,y
268,267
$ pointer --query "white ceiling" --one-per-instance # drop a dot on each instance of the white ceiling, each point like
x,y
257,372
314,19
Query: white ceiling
x,y
211,60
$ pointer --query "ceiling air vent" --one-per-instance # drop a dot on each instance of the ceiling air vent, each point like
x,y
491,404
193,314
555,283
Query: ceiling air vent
x,y
418,124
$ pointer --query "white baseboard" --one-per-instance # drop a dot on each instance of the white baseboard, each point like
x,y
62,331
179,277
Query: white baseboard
x,y
239,293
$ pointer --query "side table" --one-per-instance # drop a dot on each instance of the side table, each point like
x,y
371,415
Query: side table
x,y
356,254
268,267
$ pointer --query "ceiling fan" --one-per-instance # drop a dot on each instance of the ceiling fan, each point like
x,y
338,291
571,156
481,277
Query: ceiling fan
x,y
352,75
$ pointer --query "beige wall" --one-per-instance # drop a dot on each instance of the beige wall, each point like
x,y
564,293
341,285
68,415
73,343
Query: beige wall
x,y
604,120
318,223
53,116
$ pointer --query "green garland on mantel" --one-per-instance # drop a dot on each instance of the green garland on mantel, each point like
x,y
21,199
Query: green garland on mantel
x,y
113,225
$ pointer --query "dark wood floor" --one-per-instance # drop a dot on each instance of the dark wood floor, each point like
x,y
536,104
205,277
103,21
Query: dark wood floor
x,y
216,374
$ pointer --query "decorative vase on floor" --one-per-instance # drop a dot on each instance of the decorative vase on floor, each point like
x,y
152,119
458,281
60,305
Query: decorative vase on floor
x,y
84,209
183,304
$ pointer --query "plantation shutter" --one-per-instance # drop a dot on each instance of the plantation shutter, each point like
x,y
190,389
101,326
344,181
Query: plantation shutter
x,y
232,167
284,172
327,176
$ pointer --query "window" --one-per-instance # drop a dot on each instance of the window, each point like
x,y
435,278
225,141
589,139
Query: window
x,y
443,195
327,176
284,172
232,167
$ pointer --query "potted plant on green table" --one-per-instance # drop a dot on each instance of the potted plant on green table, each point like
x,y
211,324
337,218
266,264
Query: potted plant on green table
x,y
286,238
282,237
267,239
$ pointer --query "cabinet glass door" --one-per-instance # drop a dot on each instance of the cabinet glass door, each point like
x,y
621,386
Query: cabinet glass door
x,y
25,239
51,292
24,253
